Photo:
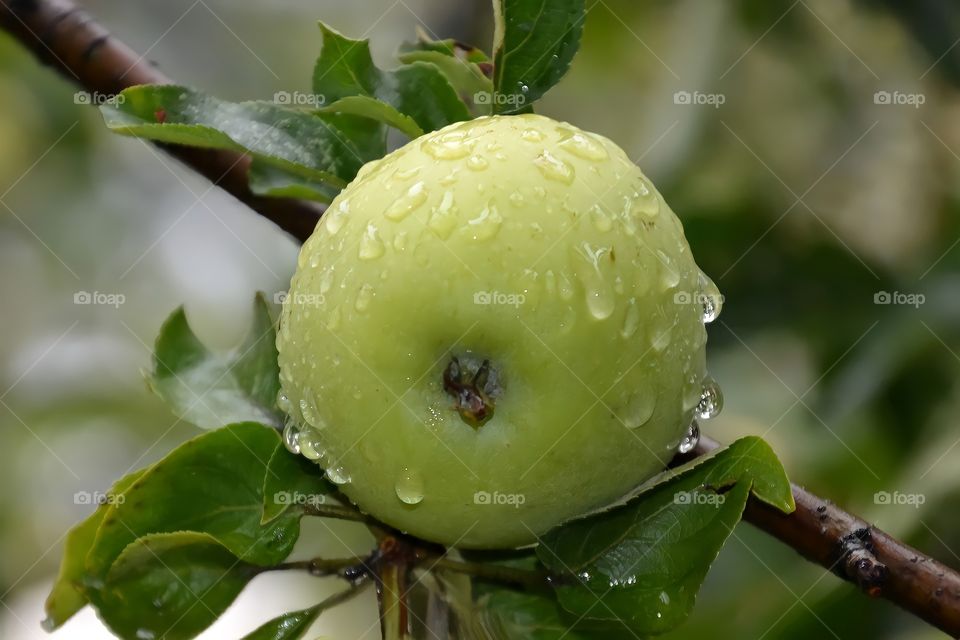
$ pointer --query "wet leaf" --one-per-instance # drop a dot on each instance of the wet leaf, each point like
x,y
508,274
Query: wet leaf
x,y
171,586
534,44
212,484
211,390
416,93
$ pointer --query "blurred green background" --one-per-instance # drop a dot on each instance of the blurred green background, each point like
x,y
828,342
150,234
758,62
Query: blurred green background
x,y
814,167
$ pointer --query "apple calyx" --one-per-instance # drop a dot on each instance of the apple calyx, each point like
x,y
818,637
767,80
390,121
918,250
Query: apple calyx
x,y
472,391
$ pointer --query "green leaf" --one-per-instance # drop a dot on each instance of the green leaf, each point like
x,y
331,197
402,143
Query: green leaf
x,y
211,390
505,613
268,180
368,107
461,64
418,90
642,563
312,146
296,623
67,596
448,47
286,627
212,484
171,586
292,481
749,457
534,44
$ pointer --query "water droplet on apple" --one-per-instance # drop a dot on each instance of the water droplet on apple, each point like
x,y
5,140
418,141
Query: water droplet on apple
x,y
487,224
517,198
326,280
337,475
309,411
600,298
691,438
669,274
409,487
371,246
646,201
601,219
405,174
444,220
691,392
477,163
291,436
336,218
640,408
553,168
711,400
283,402
448,146
364,297
579,144
711,298
400,241
631,319
415,196
531,135
311,446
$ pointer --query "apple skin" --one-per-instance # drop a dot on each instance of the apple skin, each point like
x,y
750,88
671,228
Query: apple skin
x,y
600,363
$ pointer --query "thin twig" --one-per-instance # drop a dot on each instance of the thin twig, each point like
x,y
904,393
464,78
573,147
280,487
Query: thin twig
x,y
335,511
860,553
494,572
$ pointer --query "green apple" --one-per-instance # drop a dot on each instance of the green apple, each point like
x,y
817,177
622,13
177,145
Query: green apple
x,y
494,329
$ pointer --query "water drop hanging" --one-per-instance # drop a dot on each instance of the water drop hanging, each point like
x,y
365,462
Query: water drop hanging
x,y
711,400
691,438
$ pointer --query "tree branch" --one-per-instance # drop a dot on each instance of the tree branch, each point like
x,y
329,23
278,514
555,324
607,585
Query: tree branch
x,y
64,37
860,553
67,39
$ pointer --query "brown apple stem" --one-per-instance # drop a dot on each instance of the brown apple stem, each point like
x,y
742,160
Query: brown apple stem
x,y
472,387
